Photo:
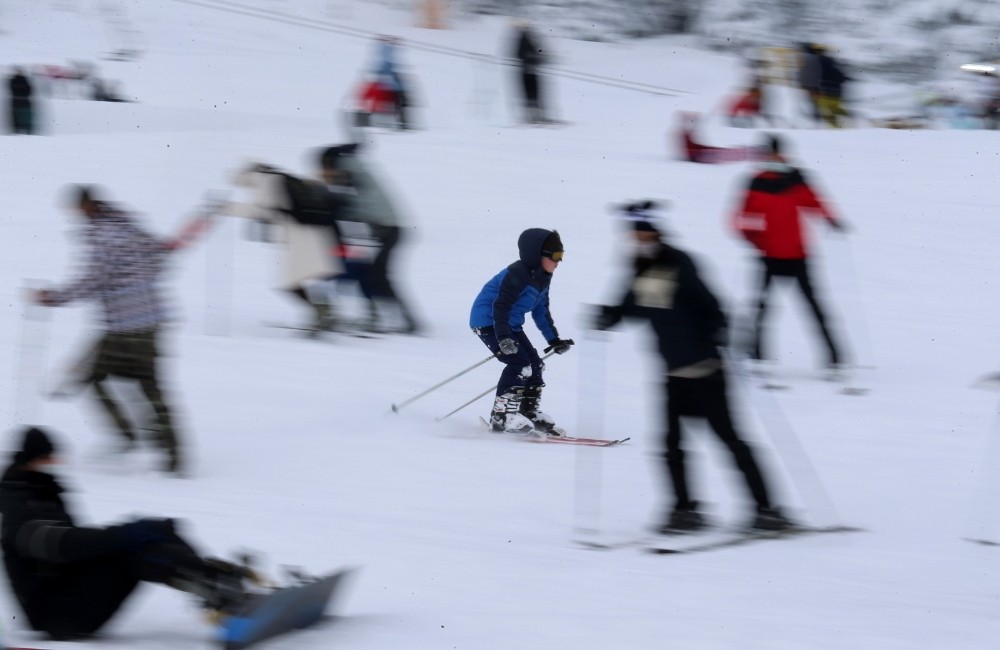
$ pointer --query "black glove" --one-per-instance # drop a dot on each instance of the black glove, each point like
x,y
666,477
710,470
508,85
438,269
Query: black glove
x,y
144,531
508,346
559,346
606,317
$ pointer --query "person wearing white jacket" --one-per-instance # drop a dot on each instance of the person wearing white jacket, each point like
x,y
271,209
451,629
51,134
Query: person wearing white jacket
x,y
309,261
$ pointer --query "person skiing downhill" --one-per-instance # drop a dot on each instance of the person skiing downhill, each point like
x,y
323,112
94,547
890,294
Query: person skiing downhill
x,y
769,217
497,318
69,579
689,325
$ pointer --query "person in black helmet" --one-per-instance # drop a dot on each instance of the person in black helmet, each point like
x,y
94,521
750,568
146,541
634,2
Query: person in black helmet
x,y
667,290
497,318
69,579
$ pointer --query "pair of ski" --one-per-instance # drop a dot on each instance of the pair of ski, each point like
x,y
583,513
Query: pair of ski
x,y
712,540
539,437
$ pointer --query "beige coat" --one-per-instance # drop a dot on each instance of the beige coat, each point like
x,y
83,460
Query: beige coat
x,y
308,249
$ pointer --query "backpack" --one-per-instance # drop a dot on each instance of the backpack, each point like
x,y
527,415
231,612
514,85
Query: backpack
x,y
309,201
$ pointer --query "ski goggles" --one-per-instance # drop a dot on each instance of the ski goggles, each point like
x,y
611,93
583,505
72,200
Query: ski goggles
x,y
555,256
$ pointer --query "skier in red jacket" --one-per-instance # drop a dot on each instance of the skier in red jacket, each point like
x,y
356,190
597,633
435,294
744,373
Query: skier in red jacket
x,y
769,218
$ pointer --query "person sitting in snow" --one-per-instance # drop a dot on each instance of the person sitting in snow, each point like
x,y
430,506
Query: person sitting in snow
x,y
694,151
70,579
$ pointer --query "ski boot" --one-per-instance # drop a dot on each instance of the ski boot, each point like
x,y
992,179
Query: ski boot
x,y
222,586
506,416
682,520
770,520
540,421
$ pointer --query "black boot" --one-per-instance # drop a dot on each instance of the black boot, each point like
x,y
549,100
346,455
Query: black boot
x,y
770,519
221,585
683,519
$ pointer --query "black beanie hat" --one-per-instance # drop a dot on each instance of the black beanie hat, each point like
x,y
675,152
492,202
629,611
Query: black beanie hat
x,y
552,244
37,444
773,144
329,157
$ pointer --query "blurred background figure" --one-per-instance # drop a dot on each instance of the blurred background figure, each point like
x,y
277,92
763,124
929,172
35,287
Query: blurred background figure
x,y
123,268
808,77
70,580
666,290
693,150
22,109
528,51
368,201
388,78
305,214
832,81
770,218
745,109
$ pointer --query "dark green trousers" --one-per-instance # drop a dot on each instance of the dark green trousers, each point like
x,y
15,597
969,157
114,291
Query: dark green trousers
x,y
134,355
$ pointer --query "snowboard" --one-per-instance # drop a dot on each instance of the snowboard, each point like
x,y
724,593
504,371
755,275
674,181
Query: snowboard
x,y
281,611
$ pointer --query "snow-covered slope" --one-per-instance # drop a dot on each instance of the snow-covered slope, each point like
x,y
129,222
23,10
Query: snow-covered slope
x,y
465,539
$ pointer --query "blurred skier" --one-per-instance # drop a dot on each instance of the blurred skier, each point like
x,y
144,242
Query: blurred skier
x,y
666,290
769,217
530,57
22,112
808,77
304,210
123,268
497,318
387,74
70,580
367,201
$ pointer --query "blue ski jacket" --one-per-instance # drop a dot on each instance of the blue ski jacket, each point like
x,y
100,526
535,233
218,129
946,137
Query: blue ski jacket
x,y
520,288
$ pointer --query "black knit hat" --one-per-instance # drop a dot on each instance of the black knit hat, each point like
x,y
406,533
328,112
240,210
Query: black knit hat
x,y
329,158
37,444
552,244
773,144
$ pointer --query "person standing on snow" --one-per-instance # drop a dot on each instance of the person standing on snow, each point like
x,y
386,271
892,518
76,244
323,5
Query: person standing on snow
x,y
367,201
530,56
497,318
666,290
22,113
769,217
386,73
306,214
70,580
122,272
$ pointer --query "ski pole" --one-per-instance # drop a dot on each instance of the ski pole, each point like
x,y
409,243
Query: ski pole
x,y
31,356
397,407
477,397
588,469
800,469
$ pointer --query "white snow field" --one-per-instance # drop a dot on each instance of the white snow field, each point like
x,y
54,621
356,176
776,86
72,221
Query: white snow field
x,y
466,540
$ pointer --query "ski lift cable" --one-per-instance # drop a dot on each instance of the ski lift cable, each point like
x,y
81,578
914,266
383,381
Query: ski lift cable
x,y
354,32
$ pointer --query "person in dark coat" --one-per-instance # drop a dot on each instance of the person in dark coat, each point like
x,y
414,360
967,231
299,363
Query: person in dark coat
x,y
530,56
667,291
832,79
497,318
70,579
770,218
808,77
22,115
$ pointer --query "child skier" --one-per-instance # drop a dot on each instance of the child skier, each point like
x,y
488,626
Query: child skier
x,y
497,319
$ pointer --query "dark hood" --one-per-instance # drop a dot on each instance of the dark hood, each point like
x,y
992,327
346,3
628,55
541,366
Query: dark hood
x,y
529,246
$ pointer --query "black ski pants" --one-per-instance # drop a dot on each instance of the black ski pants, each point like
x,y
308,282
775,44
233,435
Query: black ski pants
x,y
531,88
521,369
797,270
88,594
705,398
388,238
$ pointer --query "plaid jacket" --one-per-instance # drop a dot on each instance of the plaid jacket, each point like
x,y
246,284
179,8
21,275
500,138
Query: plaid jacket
x,y
122,270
